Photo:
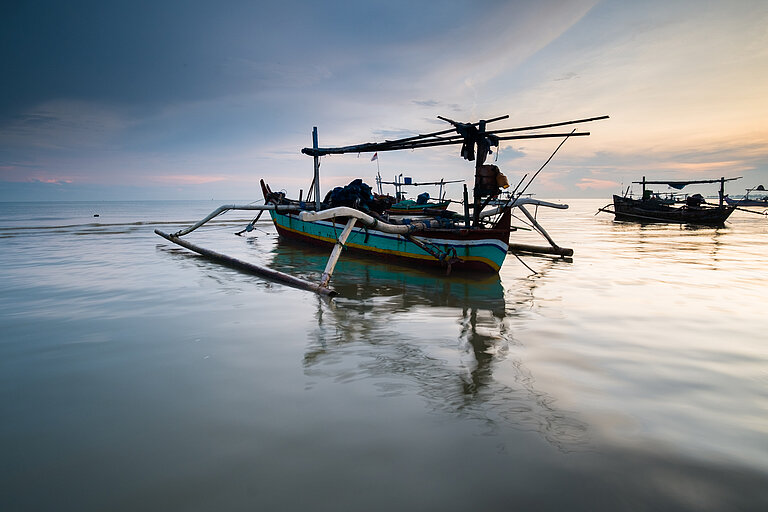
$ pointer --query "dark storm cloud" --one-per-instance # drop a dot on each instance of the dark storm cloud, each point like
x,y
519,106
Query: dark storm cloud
x,y
121,93
150,52
127,52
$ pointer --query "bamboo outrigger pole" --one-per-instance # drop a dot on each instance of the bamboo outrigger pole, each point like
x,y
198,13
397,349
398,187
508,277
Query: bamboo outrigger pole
x,y
275,275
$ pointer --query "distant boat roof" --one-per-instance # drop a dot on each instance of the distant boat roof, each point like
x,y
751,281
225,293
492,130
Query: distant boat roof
x,y
678,184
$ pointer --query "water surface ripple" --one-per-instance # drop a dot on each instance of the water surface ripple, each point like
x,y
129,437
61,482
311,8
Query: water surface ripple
x,y
137,375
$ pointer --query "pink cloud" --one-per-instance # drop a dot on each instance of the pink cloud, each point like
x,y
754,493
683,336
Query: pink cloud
x,y
587,183
695,167
19,174
57,181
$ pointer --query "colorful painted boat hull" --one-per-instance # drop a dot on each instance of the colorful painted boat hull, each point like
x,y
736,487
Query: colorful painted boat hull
x,y
478,250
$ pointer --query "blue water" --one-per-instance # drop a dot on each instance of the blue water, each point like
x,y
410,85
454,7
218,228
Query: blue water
x,y
135,375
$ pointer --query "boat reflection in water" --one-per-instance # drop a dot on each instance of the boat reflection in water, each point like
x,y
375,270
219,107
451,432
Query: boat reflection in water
x,y
449,341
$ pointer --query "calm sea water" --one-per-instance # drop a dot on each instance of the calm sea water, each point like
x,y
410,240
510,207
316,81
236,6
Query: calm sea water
x,y
135,375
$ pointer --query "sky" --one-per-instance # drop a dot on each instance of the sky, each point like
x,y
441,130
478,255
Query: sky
x,y
198,99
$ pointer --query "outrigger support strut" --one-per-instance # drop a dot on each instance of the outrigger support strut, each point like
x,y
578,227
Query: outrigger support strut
x,y
221,209
555,249
336,252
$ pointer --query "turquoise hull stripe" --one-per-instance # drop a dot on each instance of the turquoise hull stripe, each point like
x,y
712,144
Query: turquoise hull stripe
x,y
489,251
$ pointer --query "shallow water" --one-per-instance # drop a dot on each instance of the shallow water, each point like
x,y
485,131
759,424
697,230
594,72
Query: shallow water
x,y
137,375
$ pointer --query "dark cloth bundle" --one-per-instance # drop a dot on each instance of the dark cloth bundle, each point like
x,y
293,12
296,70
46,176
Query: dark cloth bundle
x,y
356,195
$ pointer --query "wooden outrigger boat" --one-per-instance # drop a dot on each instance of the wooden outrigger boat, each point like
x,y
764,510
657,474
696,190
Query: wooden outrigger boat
x,y
760,200
422,242
410,207
650,208
423,205
349,217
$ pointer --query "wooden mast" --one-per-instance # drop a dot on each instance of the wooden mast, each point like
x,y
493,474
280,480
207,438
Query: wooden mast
x,y
722,190
479,161
317,169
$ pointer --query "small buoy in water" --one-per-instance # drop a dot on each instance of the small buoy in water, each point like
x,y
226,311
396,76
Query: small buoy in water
x,y
95,214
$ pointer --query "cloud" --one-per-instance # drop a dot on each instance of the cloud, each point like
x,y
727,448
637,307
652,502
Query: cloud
x,y
63,124
186,179
210,95
708,167
507,152
592,183
567,76
264,73
43,180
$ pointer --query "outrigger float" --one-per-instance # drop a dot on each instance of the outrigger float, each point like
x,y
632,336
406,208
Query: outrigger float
x,y
352,217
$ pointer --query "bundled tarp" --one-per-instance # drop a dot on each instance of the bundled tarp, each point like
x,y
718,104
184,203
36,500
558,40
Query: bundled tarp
x,y
356,195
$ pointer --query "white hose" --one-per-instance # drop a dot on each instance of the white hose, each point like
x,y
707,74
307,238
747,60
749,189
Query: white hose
x,y
345,211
